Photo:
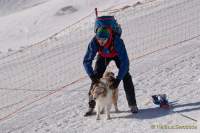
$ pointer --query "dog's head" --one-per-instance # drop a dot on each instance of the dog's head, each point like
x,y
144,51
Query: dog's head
x,y
110,78
98,90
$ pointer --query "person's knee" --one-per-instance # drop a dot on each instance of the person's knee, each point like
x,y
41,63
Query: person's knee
x,y
127,76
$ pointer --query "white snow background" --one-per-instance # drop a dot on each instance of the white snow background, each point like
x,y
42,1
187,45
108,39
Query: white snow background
x,y
43,86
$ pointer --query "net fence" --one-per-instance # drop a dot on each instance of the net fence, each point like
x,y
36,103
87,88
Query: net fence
x,y
43,68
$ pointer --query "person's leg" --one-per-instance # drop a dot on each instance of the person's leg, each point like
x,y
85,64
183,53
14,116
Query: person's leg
x,y
129,90
128,87
100,67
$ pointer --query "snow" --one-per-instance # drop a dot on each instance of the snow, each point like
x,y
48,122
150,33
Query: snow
x,y
37,88
24,22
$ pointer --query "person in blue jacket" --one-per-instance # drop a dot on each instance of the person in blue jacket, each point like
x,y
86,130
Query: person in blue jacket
x,y
109,47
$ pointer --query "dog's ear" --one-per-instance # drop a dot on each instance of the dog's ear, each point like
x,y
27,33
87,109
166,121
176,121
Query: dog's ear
x,y
93,88
94,85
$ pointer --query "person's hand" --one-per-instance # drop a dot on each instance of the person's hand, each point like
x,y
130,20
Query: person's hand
x,y
116,83
94,79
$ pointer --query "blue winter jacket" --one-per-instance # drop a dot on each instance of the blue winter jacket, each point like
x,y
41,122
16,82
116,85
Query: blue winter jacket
x,y
119,46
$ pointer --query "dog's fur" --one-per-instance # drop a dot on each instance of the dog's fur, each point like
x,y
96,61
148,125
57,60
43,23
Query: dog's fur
x,y
105,94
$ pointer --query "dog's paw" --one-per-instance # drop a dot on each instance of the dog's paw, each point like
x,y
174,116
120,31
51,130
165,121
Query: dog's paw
x,y
98,118
108,118
102,111
117,111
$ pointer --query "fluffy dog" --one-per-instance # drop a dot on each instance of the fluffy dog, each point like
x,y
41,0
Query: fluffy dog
x,y
104,94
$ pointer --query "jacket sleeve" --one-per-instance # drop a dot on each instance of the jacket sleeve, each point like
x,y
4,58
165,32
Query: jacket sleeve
x,y
123,57
89,57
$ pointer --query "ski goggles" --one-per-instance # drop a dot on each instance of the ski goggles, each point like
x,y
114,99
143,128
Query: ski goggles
x,y
102,39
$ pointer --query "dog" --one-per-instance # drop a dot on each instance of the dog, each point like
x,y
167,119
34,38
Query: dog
x,y
105,95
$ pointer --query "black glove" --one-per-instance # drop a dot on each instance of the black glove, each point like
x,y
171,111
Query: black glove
x,y
116,83
94,78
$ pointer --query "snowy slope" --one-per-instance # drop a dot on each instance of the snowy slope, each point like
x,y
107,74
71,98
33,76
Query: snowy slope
x,y
24,22
39,108
177,74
